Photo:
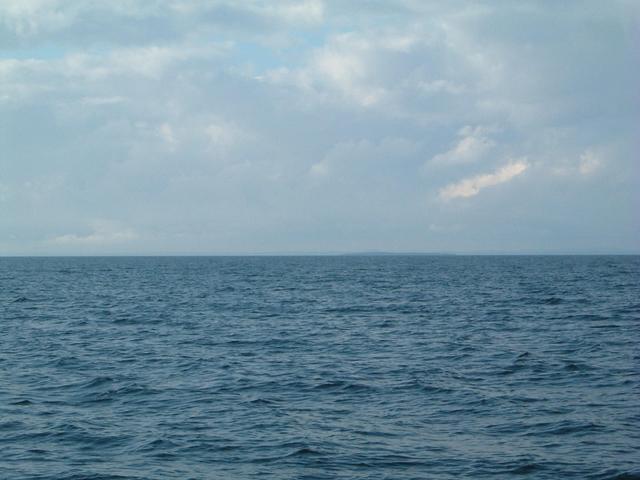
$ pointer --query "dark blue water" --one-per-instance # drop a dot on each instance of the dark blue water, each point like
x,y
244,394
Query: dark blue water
x,y
320,367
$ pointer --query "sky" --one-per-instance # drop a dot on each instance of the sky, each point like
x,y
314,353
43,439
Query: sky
x,y
319,126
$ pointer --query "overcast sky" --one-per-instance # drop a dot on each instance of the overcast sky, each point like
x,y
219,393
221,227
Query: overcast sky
x,y
193,126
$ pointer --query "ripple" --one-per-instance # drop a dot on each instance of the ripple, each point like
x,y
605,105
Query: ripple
x,y
336,367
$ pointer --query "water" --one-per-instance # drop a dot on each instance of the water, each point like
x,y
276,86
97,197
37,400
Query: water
x,y
320,367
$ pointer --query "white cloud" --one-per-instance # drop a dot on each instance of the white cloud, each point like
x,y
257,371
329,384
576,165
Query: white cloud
x,y
472,186
150,61
308,11
356,159
96,79
104,233
99,101
26,18
584,165
589,162
473,145
345,68
439,86
319,169
166,133
222,134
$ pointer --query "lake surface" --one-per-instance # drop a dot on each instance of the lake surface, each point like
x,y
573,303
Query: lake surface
x,y
400,367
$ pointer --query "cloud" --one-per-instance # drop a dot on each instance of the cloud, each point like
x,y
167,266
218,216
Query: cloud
x,y
99,101
577,166
104,234
224,134
350,68
305,12
150,61
69,23
166,133
472,146
435,87
470,187
589,162
356,160
319,169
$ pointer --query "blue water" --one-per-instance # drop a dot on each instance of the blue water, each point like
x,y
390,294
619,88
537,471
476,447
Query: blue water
x,y
413,367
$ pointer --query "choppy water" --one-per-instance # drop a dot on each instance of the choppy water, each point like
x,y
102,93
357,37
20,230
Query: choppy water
x,y
320,367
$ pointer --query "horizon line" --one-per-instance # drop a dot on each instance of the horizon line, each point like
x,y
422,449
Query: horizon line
x,y
323,254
